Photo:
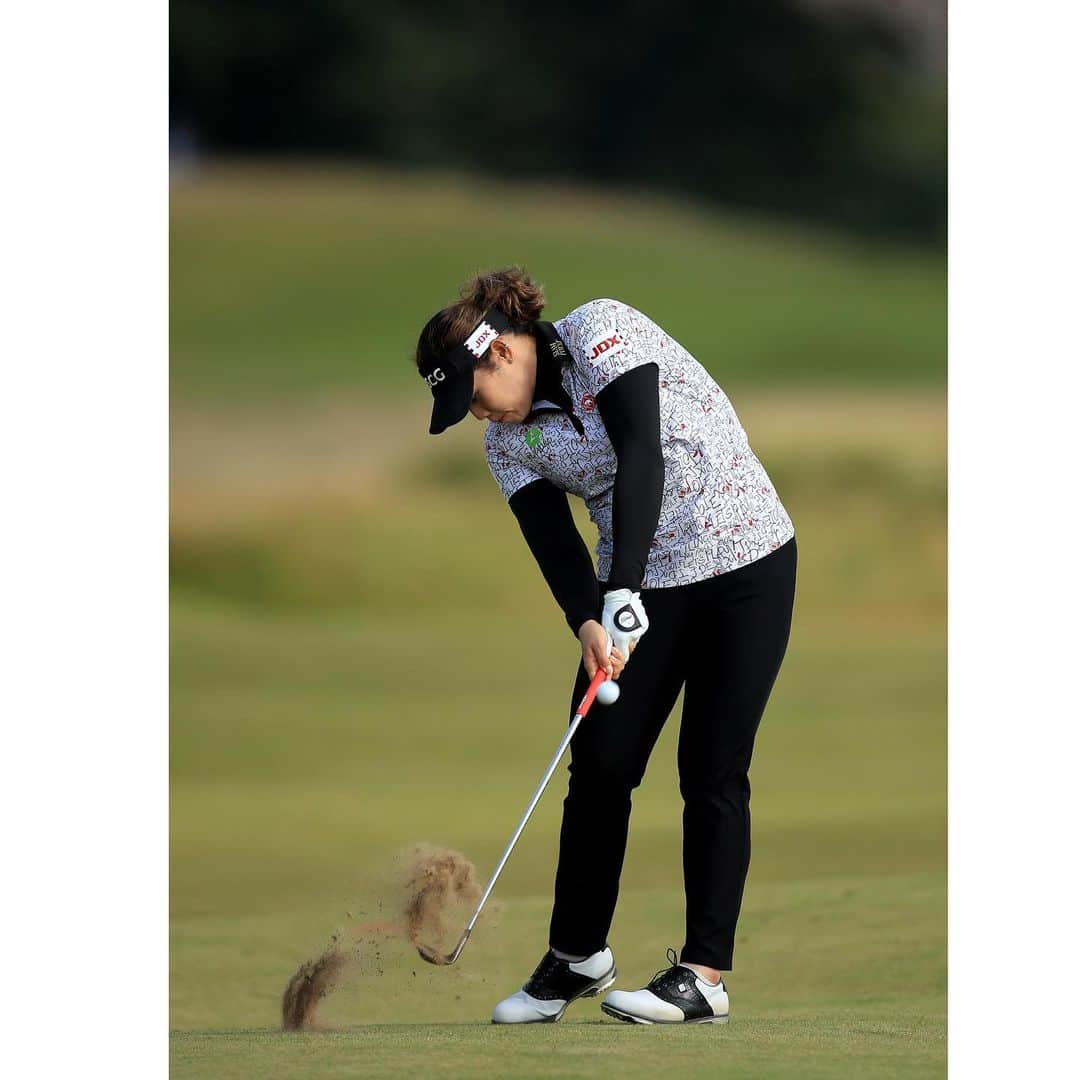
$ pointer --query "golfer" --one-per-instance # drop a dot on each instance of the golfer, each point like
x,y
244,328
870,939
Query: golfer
x,y
694,589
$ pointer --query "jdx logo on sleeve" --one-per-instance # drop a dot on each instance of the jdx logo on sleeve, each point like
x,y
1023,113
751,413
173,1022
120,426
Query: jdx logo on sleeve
x,y
609,341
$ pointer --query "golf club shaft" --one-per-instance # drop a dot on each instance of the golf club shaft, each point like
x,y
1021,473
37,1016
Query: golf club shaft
x,y
583,708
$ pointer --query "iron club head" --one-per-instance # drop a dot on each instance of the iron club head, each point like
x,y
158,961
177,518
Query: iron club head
x,y
431,956
440,959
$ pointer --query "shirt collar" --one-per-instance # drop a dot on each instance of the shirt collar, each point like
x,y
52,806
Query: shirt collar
x,y
551,357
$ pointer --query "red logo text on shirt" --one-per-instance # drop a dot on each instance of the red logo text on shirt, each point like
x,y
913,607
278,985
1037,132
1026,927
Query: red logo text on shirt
x,y
588,403
602,347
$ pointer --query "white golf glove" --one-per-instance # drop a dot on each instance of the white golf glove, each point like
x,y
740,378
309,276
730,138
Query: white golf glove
x,y
624,619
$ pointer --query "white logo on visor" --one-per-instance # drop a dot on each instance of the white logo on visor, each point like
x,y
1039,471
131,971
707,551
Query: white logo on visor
x,y
436,376
478,341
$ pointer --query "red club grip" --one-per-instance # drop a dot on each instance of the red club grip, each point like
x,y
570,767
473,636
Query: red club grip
x,y
600,677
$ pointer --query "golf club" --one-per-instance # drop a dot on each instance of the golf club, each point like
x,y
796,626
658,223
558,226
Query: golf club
x,y
431,955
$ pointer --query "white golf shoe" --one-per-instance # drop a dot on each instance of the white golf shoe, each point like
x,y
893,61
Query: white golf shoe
x,y
553,985
676,995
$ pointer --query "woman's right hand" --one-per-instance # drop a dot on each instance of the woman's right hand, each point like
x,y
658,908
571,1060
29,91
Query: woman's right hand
x,y
594,650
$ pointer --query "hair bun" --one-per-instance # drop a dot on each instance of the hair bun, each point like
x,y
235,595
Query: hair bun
x,y
510,291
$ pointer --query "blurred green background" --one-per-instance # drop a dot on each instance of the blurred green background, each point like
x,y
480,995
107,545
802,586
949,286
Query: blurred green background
x,y
363,654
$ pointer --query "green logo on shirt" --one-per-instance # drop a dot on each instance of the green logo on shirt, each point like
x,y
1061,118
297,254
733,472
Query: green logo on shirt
x,y
533,437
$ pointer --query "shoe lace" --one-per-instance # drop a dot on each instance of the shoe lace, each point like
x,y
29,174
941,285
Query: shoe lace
x,y
673,959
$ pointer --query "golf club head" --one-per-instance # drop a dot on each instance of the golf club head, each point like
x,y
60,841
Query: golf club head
x,y
432,956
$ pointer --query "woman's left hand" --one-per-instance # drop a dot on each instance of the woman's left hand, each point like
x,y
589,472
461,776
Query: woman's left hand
x,y
624,619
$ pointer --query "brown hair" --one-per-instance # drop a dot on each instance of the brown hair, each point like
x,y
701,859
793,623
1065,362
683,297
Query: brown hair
x,y
510,291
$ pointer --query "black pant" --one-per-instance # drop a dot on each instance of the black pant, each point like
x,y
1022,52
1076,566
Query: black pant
x,y
725,638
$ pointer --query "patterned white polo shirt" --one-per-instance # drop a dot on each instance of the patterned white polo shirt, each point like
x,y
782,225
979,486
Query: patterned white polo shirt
x,y
719,509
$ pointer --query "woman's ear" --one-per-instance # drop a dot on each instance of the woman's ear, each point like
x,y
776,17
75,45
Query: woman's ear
x,y
501,351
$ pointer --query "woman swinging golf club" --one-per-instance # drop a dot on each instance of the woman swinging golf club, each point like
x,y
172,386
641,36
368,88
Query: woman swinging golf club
x,y
696,560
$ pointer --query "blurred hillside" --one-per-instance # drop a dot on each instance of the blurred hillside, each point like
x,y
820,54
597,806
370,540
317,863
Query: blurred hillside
x,y
299,424
824,110
305,281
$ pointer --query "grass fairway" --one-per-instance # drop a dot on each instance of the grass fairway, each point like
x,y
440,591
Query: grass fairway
x,y
312,778
317,729
817,1047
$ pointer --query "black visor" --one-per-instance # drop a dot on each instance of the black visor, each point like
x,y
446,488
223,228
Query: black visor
x,y
451,376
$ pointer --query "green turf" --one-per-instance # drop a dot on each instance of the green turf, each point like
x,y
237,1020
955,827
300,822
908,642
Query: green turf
x,y
302,280
291,795
815,1046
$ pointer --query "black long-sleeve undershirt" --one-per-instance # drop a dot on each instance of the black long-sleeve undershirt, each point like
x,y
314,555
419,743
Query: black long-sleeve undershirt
x,y
543,512
630,409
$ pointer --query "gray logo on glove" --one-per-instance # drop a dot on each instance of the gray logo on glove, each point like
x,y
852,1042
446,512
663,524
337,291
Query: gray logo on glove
x,y
625,619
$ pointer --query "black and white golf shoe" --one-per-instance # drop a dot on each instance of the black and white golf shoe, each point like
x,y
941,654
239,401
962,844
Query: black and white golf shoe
x,y
553,985
676,995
